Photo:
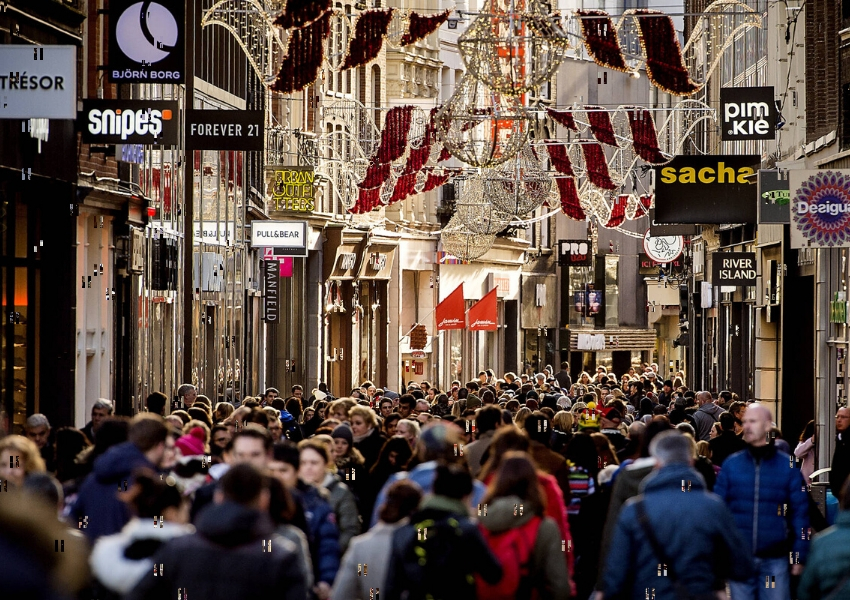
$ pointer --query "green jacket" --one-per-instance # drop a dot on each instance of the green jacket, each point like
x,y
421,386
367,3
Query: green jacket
x,y
828,562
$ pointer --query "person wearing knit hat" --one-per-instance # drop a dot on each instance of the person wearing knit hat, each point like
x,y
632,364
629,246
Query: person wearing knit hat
x,y
192,444
473,401
589,418
344,431
531,403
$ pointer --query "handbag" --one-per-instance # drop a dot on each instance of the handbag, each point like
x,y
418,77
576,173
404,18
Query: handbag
x,y
681,591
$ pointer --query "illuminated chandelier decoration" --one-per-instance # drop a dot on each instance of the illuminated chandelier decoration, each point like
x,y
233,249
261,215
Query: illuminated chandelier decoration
x,y
480,126
520,185
464,244
474,210
514,46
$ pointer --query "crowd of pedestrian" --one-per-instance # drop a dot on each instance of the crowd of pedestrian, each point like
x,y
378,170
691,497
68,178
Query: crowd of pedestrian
x,y
526,486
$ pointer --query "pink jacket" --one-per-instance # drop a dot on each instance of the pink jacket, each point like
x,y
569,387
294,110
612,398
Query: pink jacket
x,y
805,451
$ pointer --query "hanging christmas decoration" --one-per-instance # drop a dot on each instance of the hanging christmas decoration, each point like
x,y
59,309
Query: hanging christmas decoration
x,y
464,244
298,13
438,179
513,47
665,66
559,157
368,38
406,184
646,202
482,127
600,39
421,26
474,210
304,56
564,117
644,137
518,186
618,211
596,166
570,201
600,125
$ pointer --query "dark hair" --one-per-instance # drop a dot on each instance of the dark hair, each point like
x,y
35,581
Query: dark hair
x,y
257,434
251,404
517,476
727,421
269,390
659,409
242,484
452,481
582,453
201,415
258,416
45,486
287,452
418,394
538,428
565,365
279,403
282,506
735,408
156,402
149,496
403,498
389,419
407,400
293,407
147,431
181,414
69,443
385,399
505,440
808,431
488,419
382,468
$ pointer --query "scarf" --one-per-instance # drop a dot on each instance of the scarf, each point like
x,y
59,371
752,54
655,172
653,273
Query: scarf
x,y
360,438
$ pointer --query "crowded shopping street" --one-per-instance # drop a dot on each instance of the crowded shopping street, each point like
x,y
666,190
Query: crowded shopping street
x,y
424,299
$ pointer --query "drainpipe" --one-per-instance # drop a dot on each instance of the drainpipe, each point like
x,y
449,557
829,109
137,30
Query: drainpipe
x,y
822,351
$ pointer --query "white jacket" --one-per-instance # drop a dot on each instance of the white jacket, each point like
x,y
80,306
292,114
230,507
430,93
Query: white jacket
x,y
118,573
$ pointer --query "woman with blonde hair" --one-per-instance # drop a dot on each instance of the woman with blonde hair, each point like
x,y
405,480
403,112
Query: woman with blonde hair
x,y
222,411
19,457
584,378
520,417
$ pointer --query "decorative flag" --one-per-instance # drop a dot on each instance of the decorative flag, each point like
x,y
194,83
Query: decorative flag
x,y
451,313
483,314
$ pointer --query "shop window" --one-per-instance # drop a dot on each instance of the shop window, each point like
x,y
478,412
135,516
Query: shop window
x,y
612,290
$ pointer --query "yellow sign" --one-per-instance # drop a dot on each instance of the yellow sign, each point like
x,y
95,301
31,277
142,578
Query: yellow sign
x,y
291,189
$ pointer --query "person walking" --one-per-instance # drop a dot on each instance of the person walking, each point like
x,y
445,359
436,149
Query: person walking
x,y
728,442
827,574
649,540
706,416
805,450
487,422
526,541
770,507
230,532
841,456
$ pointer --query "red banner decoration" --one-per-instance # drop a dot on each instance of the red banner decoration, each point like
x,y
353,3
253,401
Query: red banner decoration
x,y
646,202
600,39
299,13
600,125
644,138
596,166
564,117
305,53
560,160
436,180
570,202
618,211
665,65
420,26
451,313
405,185
368,37
483,315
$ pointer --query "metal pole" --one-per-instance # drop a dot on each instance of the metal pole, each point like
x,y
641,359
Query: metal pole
x,y
188,199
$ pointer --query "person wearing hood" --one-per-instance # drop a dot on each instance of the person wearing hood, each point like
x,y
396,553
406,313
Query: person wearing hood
x,y
318,469
149,444
648,532
349,463
707,415
514,511
439,553
230,532
119,561
364,566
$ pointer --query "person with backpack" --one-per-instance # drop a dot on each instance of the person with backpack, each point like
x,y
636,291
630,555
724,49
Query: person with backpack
x,y
438,555
651,553
526,542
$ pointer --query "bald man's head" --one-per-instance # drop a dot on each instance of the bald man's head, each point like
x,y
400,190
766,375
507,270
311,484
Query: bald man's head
x,y
703,398
757,423
842,419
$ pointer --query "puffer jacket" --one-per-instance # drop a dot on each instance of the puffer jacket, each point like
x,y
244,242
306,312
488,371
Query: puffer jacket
x,y
757,493
829,562
696,551
324,534
345,508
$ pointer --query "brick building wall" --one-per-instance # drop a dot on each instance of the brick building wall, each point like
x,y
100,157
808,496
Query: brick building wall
x,y
823,19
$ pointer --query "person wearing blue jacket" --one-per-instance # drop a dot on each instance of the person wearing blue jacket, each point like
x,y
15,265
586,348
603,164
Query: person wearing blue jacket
x,y
148,442
703,553
769,502
437,442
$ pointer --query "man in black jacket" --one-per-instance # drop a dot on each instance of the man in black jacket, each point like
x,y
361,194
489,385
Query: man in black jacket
x,y
841,457
727,443
233,532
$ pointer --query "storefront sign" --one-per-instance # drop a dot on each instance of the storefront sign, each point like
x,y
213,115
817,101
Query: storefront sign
x,y
820,209
289,236
747,114
663,249
774,197
483,315
733,268
145,122
347,260
707,189
574,253
377,261
271,290
647,266
291,189
450,313
224,130
38,82
665,229
146,43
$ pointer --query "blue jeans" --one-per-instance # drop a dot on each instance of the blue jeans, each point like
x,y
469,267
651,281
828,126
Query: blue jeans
x,y
774,571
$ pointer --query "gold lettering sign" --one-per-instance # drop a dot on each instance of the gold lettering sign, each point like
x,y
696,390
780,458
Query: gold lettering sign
x,y
291,189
